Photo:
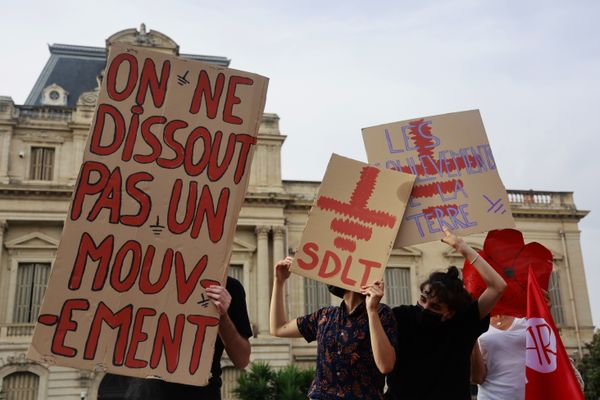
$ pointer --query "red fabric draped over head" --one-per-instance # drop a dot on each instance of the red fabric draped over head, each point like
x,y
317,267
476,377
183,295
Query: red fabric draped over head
x,y
508,254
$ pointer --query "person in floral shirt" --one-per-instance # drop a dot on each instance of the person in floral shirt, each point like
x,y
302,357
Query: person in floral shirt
x,y
355,340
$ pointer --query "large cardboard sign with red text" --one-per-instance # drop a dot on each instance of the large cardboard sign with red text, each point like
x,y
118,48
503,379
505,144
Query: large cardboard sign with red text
x,y
457,180
353,223
152,219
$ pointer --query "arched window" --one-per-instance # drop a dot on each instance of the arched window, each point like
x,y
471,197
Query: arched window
x,y
21,386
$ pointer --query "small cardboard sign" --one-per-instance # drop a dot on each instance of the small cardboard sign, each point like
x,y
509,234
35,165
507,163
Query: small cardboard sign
x,y
457,184
353,223
152,219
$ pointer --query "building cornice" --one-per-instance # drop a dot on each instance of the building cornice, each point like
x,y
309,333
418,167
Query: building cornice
x,y
29,190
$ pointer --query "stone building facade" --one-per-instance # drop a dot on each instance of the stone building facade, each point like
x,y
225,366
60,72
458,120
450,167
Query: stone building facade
x,y
41,147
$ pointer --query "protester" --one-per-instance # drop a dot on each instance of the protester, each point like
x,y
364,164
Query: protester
x,y
498,359
234,331
355,341
436,336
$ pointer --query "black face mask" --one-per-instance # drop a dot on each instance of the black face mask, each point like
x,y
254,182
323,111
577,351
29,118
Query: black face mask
x,y
336,291
428,318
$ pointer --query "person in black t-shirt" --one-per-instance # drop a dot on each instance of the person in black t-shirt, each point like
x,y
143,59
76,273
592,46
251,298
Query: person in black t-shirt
x,y
234,331
436,336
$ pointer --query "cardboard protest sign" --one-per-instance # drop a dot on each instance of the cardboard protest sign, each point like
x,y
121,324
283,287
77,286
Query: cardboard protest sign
x,y
152,219
457,180
353,223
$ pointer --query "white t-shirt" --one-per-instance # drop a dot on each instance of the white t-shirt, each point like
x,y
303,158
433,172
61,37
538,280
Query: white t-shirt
x,y
504,355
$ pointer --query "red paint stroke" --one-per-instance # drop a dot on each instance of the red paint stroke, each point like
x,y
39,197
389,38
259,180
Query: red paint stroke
x,y
356,208
379,218
350,228
430,212
48,319
431,189
205,283
364,189
424,144
421,142
344,244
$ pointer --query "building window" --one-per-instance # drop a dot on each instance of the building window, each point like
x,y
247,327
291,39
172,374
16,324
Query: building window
x,y
397,286
236,271
42,164
554,293
316,295
21,386
32,279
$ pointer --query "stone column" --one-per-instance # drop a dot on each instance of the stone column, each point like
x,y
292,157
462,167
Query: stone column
x,y
79,138
4,275
279,243
263,285
5,136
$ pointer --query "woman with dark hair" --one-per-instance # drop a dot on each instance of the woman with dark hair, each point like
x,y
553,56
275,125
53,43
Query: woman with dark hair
x,y
436,336
355,340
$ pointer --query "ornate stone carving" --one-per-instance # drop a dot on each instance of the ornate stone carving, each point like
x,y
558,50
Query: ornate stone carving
x,y
262,230
19,361
145,38
88,98
279,231
86,378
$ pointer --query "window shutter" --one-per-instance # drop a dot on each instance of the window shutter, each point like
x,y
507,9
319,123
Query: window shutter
x,y
42,164
21,386
397,286
31,285
236,271
554,293
316,295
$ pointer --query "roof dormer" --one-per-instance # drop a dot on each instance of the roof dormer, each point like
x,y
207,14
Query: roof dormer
x,y
54,95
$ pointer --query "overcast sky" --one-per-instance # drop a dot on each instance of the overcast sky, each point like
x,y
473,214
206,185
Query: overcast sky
x,y
531,67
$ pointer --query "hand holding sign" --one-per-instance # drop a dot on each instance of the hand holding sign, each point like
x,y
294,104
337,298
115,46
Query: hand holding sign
x,y
374,293
136,285
457,184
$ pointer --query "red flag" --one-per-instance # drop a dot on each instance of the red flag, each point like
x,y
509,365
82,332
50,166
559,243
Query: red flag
x,y
549,372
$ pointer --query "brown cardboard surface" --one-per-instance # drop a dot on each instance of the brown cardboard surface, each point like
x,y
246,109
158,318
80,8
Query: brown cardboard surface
x,y
457,179
353,223
152,219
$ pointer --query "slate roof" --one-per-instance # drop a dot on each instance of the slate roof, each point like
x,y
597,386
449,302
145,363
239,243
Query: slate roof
x,y
75,69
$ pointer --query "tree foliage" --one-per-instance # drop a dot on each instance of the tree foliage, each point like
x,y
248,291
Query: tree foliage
x,y
261,382
589,366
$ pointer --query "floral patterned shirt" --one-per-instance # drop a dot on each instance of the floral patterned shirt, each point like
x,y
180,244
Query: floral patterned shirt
x,y
346,368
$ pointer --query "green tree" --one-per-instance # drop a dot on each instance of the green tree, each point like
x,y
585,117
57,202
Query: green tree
x,y
255,384
589,366
261,382
291,383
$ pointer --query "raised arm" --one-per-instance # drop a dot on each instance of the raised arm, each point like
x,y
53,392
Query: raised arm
x,y
383,351
495,283
278,323
237,347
